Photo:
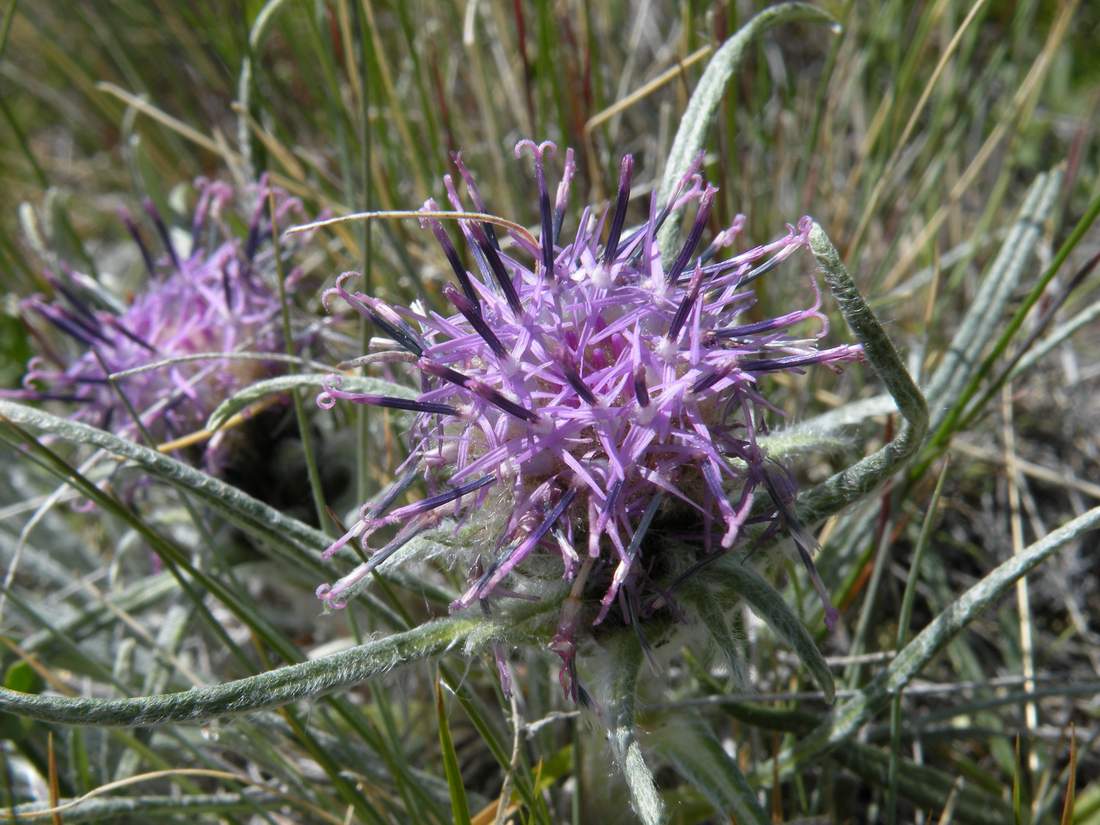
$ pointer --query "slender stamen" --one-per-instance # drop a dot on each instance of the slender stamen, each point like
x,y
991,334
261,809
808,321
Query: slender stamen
x,y
475,196
131,227
708,381
626,171
499,272
67,323
764,268
505,565
470,313
573,376
761,326
78,304
641,391
440,371
374,310
547,238
436,501
686,304
696,233
478,388
452,255
391,493
563,192
390,401
162,230
845,352
495,398
116,324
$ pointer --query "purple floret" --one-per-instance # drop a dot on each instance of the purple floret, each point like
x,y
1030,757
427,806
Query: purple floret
x,y
592,387
216,296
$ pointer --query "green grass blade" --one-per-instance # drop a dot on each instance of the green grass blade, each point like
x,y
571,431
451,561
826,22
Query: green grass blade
x,y
739,581
272,688
703,107
460,808
853,483
846,719
618,698
700,758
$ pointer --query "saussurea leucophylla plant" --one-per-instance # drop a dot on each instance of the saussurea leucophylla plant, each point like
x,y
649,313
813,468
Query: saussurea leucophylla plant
x,y
600,393
208,291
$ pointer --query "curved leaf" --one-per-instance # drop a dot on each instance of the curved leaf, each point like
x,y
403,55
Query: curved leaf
x,y
248,513
740,580
279,686
700,758
284,383
617,695
846,719
703,105
851,484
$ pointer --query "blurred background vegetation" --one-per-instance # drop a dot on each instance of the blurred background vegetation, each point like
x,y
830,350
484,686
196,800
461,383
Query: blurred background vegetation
x,y
911,131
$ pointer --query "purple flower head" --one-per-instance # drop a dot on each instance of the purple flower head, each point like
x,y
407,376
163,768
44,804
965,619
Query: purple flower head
x,y
593,388
209,291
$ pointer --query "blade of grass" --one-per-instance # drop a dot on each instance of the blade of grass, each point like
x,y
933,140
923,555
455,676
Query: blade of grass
x,y
905,617
460,808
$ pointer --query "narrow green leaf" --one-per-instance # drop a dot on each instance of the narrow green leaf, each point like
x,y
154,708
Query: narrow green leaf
x,y
854,482
144,808
984,318
618,698
739,581
460,808
286,383
846,719
711,615
703,105
700,758
279,686
251,515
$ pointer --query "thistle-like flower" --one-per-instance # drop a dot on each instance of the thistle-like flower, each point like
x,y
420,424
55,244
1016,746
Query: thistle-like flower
x,y
214,296
595,388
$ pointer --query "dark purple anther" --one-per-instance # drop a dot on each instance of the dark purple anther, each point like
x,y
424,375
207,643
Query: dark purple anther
x,y
440,371
438,500
499,272
162,230
708,381
484,391
131,227
67,322
395,403
686,304
475,196
764,268
828,356
641,391
470,313
547,239
452,255
125,331
393,326
626,171
392,493
696,233
562,199
573,376
504,565
78,305
760,326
